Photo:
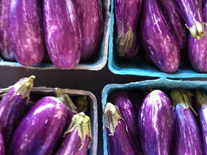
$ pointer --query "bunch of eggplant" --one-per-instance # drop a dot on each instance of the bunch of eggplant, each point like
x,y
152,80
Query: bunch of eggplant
x,y
156,124
49,125
64,32
164,29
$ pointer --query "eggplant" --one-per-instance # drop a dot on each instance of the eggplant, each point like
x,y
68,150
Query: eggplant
x,y
62,33
82,104
91,23
119,139
136,98
78,136
197,49
176,23
157,38
41,129
2,147
156,124
191,12
12,107
123,101
5,46
201,101
187,140
127,15
26,31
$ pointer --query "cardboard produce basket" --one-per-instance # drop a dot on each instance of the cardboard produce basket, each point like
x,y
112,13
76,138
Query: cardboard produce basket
x,y
162,84
97,62
92,111
138,67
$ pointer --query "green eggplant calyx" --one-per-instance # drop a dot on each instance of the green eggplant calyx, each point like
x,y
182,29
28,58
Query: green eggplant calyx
x,y
125,42
197,30
201,98
111,117
81,103
83,123
58,92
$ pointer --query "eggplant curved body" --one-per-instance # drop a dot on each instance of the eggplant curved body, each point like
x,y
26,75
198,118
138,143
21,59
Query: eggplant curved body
x,y
5,45
156,124
40,130
123,101
2,147
157,38
62,33
127,15
176,23
26,31
91,21
197,49
191,12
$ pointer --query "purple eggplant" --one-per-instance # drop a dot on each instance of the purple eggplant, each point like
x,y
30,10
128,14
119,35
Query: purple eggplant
x,y
197,49
156,124
119,139
157,38
26,31
41,129
77,137
12,107
127,15
176,23
136,98
2,147
91,22
62,33
201,101
191,12
187,140
82,104
5,45
123,101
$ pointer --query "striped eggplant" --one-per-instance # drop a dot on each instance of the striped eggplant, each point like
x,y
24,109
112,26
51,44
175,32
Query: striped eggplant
x,y
12,107
5,45
2,147
78,136
157,38
156,124
176,23
191,12
197,49
62,33
41,129
82,104
127,15
201,101
187,140
118,137
91,22
26,31
123,101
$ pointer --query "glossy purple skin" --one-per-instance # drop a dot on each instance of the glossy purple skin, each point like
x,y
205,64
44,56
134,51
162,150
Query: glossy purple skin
x,y
91,22
157,38
156,124
12,109
121,142
5,46
189,8
187,140
123,101
127,13
26,31
41,129
72,144
2,148
176,22
62,33
197,49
